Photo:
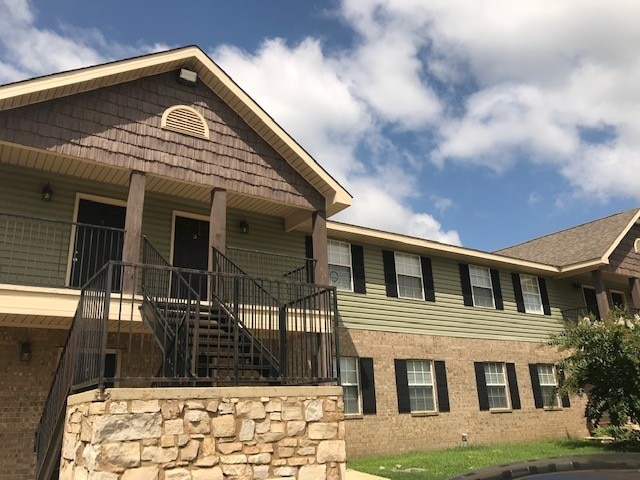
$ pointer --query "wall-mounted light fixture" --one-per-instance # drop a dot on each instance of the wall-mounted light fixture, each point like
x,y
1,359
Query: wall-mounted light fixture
x,y
188,77
47,193
244,226
25,352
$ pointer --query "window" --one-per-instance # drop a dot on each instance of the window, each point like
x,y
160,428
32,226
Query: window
x,y
420,382
481,287
339,254
617,300
358,385
350,381
409,276
544,380
531,294
496,385
548,384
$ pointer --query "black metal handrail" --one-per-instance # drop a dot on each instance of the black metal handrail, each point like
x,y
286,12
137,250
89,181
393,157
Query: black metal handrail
x,y
51,253
251,340
576,313
262,264
81,364
171,308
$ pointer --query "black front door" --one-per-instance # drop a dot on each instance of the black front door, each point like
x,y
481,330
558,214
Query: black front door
x,y
191,250
591,301
99,238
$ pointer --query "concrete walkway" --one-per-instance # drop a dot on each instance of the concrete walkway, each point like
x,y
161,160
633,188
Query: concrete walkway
x,y
355,475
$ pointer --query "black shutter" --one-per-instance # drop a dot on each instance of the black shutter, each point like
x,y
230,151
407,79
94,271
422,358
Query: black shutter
x,y
427,279
402,386
481,383
513,386
465,281
389,264
566,403
544,296
497,289
442,386
517,290
357,262
308,252
368,386
535,384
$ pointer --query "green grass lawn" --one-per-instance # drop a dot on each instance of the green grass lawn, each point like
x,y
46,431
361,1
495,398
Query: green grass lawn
x,y
444,464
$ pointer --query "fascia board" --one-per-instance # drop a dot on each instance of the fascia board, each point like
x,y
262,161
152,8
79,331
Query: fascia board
x,y
394,240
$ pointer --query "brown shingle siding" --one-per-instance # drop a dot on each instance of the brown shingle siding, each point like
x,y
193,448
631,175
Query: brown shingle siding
x,y
120,125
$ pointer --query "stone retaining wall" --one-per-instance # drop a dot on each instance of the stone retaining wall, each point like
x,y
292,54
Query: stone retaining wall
x,y
205,433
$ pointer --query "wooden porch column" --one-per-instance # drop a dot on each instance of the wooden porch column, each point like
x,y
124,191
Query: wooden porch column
x,y
133,228
217,223
319,236
601,294
634,283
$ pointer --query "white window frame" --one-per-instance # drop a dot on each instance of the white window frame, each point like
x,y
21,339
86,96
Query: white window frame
x,y
414,385
545,383
539,311
504,385
351,385
473,286
349,265
398,275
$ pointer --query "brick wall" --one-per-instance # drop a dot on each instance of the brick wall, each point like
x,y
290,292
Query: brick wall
x,y
23,390
408,432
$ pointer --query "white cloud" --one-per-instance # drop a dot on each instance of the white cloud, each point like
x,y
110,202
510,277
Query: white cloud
x,y
32,51
320,104
442,204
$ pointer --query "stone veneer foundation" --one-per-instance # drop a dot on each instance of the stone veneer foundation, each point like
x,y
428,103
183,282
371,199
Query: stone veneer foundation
x,y
205,433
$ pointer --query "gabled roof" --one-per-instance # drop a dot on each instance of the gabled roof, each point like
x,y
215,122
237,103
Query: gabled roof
x,y
577,247
85,79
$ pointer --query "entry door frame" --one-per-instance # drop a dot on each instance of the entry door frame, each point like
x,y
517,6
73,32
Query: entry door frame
x,y
193,216
76,207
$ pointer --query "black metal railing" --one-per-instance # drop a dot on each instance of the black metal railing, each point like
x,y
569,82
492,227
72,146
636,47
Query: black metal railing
x,y
41,252
577,313
249,331
272,265
81,362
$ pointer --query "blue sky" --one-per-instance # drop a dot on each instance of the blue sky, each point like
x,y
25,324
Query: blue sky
x,y
480,123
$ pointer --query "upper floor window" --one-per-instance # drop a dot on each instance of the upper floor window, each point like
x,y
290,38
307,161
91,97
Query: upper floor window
x,y
531,294
481,286
409,275
340,267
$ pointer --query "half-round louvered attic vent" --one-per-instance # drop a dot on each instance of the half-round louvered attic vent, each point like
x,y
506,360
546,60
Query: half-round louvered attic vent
x,y
183,119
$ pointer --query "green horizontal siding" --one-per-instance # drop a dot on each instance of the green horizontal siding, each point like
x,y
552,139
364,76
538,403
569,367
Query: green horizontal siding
x,y
448,315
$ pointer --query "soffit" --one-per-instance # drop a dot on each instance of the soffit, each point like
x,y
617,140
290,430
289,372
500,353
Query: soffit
x,y
86,169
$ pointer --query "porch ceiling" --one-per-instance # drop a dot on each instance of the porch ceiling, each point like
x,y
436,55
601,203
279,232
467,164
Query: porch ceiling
x,y
82,168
